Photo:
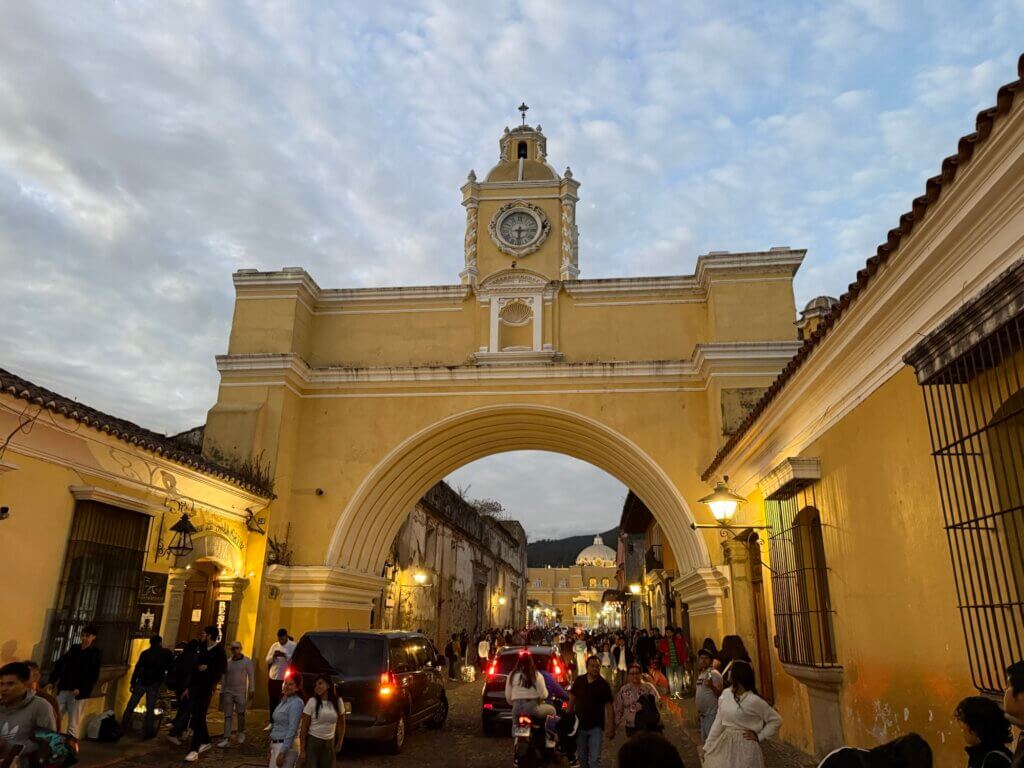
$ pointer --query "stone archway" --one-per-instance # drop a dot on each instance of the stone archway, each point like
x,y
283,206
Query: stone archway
x,y
212,547
371,520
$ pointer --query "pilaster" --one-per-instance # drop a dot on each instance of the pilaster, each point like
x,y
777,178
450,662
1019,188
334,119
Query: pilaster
x,y
177,578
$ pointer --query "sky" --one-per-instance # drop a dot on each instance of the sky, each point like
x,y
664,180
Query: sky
x,y
150,149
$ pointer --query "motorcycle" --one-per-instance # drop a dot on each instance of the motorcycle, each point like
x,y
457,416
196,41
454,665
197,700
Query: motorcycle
x,y
540,740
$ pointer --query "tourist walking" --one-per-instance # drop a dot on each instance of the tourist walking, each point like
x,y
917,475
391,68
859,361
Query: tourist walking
x,y
628,700
590,699
279,656
673,652
483,651
986,733
147,679
178,680
236,691
74,676
580,649
451,653
733,650
211,661
743,721
22,713
709,688
322,728
622,660
284,726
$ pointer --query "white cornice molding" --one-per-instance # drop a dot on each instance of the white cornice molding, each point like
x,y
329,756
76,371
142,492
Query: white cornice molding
x,y
751,358
247,280
702,590
289,277
631,286
784,260
324,586
791,474
114,499
935,269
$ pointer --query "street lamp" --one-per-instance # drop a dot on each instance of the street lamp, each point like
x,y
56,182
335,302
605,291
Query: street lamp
x,y
635,589
420,578
724,502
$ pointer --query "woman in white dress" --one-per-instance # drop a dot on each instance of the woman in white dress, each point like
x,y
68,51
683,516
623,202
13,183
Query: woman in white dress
x,y
743,721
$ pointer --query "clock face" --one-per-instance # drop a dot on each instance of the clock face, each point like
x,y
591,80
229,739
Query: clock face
x,y
518,228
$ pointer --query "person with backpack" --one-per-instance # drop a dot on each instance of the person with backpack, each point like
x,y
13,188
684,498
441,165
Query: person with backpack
x,y
986,733
147,679
75,675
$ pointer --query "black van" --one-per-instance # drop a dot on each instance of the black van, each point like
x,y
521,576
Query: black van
x,y
394,681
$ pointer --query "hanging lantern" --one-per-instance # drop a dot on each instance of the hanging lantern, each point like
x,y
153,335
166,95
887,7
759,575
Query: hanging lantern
x,y
181,544
723,501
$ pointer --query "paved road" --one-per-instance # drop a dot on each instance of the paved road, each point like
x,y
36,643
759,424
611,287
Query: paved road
x,y
460,743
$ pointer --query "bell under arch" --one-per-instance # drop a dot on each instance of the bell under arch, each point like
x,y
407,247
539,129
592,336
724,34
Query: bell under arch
x,y
371,519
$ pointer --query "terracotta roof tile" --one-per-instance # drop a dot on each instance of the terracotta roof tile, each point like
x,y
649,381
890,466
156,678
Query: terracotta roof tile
x,y
933,187
11,384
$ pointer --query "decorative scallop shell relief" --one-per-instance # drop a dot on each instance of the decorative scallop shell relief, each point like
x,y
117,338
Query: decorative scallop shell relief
x,y
516,313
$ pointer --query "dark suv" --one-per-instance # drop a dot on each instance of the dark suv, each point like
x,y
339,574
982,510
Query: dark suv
x,y
394,681
494,707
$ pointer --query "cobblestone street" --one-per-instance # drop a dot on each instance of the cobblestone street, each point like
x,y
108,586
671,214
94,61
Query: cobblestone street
x,y
460,743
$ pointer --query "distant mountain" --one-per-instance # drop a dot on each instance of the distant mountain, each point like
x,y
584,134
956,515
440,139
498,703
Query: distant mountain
x,y
559,553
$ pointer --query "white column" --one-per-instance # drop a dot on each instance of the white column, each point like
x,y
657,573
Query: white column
x,y
494,324
538,322
232,590
176,581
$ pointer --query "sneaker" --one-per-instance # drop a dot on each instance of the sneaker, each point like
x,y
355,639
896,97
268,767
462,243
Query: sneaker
x,y
174,740
191,757
241,738
204,748
223,743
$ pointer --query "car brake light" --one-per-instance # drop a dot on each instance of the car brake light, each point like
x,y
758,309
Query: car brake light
x,y
558,668
525,720
493,670
488,705
387,684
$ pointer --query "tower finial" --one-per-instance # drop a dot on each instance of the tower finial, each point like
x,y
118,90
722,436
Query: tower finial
x,y
523,109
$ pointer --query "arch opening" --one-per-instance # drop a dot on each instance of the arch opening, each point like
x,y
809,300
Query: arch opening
x,y
369,523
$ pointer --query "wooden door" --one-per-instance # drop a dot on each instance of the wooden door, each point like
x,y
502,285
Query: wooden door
x,y
765,683
197,605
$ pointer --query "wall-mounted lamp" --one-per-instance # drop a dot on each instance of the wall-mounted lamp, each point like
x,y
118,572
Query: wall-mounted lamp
x,y
724,502
635,589
420,578
181,541
502,600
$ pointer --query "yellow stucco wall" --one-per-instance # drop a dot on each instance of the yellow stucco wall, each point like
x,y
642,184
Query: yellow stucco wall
x,y
897,628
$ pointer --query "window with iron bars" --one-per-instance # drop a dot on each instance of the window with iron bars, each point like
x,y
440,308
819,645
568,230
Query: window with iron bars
x,y
975,407
100,580
802,607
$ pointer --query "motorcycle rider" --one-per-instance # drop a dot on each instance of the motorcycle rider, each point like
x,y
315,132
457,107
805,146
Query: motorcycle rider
x,y
526,690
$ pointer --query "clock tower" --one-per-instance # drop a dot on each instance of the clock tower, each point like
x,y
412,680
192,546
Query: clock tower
x,y
522,216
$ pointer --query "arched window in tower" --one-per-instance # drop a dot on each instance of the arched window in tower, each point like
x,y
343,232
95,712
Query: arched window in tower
x,y
521,150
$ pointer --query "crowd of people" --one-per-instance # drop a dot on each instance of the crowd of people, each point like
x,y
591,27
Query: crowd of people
x,y
614,678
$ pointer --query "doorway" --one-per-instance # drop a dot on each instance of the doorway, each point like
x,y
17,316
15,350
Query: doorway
x,y
764,656
198,603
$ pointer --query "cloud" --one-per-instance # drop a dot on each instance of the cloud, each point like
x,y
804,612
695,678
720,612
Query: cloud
x,y
147,150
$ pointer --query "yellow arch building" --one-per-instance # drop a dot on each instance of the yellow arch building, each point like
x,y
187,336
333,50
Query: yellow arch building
x,y
362,399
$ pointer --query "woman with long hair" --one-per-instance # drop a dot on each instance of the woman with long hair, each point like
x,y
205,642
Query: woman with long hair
x,y
628,700
743,721
323,725
733,649
525,689
284,726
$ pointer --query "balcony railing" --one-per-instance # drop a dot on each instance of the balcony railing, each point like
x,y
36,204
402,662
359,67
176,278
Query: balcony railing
x,y
653,560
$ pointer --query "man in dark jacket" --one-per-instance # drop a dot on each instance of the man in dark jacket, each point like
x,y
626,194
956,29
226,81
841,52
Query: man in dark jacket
x,y
149,675
75,675
178,680
211,661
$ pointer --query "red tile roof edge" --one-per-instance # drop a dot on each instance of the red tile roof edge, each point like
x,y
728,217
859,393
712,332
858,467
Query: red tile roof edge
x,y
16,386
965,150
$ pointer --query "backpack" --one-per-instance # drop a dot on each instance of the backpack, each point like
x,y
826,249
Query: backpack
x,y
110,731
648,719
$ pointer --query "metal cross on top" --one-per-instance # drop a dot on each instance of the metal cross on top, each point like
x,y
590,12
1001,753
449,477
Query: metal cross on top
x,y
523,108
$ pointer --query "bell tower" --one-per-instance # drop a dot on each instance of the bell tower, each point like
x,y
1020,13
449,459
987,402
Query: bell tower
x,y
522,216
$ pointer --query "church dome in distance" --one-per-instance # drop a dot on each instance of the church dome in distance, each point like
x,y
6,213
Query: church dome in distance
x,y
598,554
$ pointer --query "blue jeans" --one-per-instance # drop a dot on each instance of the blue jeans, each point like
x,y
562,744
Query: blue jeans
x,y
588,746
707,719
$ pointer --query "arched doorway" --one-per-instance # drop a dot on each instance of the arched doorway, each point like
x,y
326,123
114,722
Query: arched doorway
x,y
198,603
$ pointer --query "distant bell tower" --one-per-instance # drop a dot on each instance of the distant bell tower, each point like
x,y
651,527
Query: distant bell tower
x,y
523,214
